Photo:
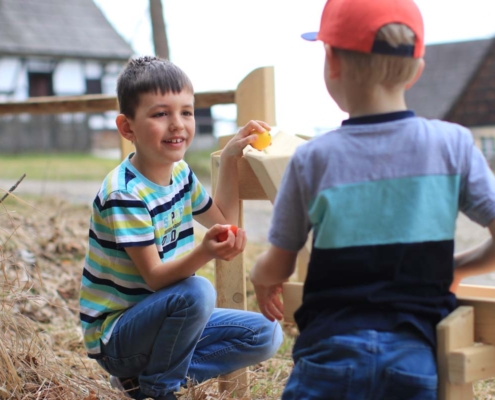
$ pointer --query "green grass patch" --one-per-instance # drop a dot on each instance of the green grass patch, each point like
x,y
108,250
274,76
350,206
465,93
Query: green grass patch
x,y
57,167
80,167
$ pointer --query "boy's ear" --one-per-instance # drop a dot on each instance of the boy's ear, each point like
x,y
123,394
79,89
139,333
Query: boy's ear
x,y
420,70
124,127
333,61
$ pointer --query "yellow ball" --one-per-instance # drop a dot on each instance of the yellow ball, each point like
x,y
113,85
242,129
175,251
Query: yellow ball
x,y
263,140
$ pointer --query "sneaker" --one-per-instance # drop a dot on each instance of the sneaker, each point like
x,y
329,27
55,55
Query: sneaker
x,y
130,386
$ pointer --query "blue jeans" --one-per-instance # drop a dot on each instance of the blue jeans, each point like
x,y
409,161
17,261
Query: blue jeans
x,y
365,365
177,333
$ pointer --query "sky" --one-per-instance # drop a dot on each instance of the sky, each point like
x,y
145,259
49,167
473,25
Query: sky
x,y
218,42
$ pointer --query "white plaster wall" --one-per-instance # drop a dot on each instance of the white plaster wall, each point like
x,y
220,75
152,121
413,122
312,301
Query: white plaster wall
x,y
22,85
93,70
9,68
69,78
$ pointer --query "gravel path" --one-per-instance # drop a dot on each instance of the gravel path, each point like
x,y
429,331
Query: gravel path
x,y
257,214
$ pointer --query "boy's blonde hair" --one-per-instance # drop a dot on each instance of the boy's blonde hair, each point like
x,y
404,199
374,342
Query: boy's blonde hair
x,y
387,70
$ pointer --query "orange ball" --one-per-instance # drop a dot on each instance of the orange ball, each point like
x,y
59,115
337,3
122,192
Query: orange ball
x,y
263,140
223,236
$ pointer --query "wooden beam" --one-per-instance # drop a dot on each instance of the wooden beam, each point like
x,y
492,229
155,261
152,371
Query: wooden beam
x,y
471,364
96,103
484,323
454,332
230,283
477,291
292,297
255,97
60,104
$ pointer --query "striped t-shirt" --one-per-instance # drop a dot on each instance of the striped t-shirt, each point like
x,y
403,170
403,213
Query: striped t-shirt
x,y
130,210
382,199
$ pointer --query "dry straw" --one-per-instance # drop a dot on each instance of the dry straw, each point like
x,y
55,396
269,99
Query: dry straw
x,y
41,350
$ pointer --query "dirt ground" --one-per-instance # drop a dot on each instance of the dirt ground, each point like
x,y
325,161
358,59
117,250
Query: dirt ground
x,y
257,214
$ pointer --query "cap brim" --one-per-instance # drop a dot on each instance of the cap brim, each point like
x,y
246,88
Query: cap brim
x,y
310,36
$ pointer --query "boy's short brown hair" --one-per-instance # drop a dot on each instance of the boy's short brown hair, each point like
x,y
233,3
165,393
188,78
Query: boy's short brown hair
x,y
384,69
148,74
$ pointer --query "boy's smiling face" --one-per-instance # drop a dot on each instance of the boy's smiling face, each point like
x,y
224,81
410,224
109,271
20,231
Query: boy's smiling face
x,y
163,126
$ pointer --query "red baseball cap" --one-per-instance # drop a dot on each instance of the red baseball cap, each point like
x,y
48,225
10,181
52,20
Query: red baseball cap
x,y
353,25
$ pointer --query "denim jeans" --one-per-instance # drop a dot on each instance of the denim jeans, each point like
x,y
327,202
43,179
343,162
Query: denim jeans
x,y
177,333
365,365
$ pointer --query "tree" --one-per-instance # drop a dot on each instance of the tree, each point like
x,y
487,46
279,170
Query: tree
x,y
160,41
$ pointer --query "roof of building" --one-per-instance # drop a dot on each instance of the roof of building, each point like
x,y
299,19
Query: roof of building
x,y
449,68
60,28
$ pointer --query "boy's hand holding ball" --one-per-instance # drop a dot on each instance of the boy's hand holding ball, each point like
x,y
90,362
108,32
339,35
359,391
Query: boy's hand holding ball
x,y
223,236
263,140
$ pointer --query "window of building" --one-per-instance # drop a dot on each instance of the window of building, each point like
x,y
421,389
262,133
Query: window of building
x,y
93,86
40,84
204,120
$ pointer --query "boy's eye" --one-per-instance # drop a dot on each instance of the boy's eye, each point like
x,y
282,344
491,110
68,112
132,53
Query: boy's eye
x,y
159,114
188,113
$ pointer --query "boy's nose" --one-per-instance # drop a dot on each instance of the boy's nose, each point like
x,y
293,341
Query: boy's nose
x,y
176,124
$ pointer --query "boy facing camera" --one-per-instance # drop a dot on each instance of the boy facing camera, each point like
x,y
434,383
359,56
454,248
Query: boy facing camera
x,y
147,319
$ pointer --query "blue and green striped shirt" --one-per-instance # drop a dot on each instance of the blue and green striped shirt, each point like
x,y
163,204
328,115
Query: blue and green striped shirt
x,y
130,210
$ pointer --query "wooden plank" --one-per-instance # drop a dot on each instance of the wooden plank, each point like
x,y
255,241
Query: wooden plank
x,y
255,97
476,291
269,165
292,294
484,324
61,104
96,103
230,283
249,186
471,364
454,332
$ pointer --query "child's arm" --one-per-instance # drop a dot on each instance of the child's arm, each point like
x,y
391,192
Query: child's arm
x,y
477,261
270,271
158,275
225,207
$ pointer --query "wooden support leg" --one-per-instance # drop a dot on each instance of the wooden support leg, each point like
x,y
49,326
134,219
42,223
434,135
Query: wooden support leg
x,y
454,332
230,283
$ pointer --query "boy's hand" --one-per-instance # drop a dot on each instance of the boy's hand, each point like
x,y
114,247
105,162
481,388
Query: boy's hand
x,y
245,136
227,249
269,301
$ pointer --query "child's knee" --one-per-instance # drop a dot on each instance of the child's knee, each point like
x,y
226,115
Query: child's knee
x,y
271,338
202,294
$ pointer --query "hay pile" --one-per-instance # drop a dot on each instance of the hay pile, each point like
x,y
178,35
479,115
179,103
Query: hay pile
x,y
42,355
41,352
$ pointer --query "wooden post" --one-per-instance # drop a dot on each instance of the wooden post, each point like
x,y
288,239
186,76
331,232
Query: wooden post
x,y
454,332
255,99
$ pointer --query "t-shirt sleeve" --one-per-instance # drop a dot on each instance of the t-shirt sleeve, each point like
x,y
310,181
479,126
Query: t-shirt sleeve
x,y
200,199
290,220
477,198
125,219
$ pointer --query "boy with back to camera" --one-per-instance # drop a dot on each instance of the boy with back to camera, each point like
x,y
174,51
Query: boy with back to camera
x,y
382,194
146,319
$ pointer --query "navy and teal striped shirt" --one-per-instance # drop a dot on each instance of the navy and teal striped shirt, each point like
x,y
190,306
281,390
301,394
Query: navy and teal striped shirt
x,y
382,196
129,210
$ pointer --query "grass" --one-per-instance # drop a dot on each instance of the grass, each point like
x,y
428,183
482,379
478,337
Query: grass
x,y
81,167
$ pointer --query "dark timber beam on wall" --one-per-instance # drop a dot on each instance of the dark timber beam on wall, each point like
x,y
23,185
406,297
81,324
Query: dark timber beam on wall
x,y
96,103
